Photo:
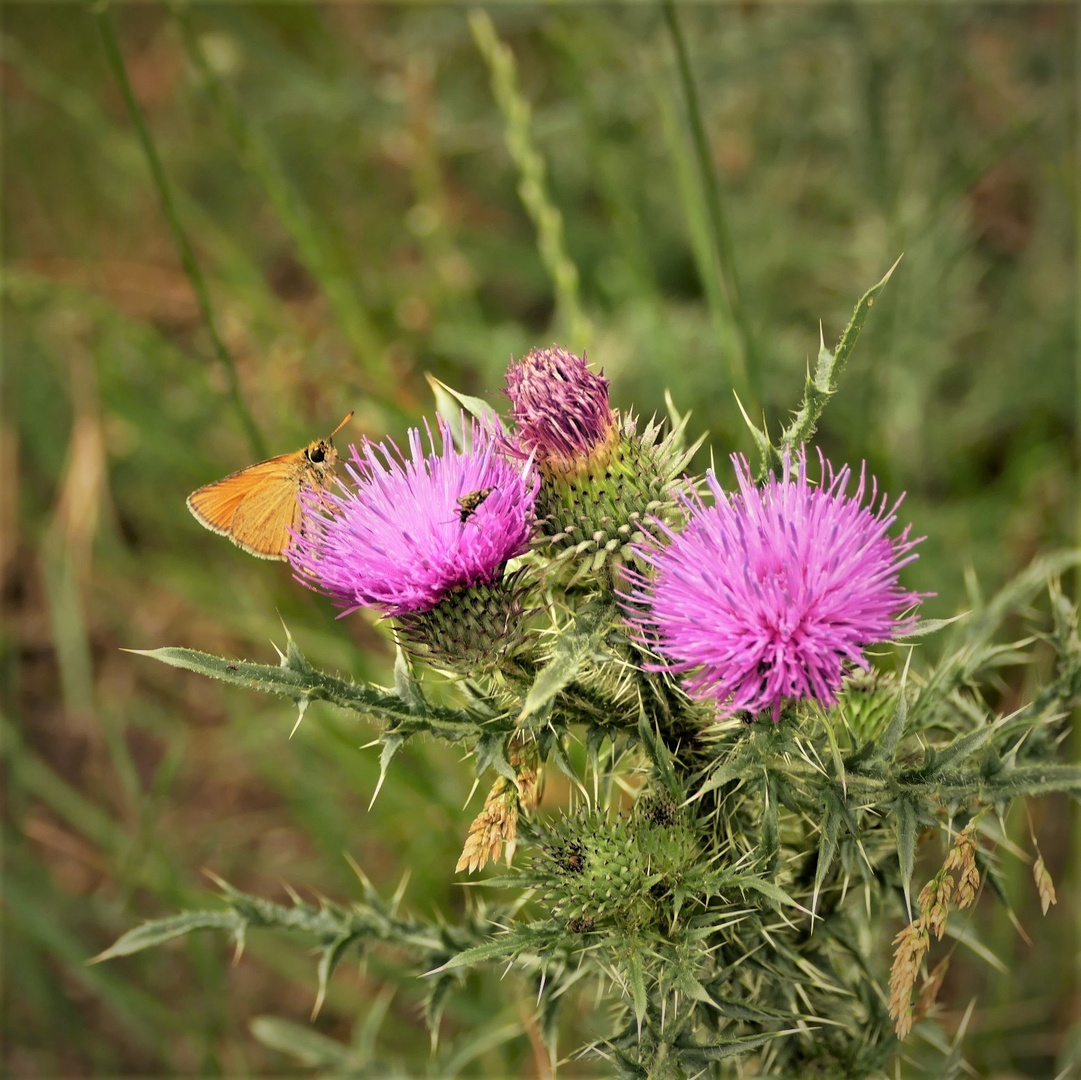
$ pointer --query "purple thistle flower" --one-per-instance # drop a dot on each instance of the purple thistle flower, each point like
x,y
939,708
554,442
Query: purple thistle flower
x,y
406,532
769,592
560,407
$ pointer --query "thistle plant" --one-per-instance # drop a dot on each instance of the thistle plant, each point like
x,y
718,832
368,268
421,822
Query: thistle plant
x,y
768,761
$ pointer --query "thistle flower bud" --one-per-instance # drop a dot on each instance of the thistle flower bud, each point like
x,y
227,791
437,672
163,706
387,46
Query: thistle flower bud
x,y
594,871
602,482
664,833
470,629
560,410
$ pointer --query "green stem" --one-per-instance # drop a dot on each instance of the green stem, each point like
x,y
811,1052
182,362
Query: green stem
x,y
744,366
315,250
180,238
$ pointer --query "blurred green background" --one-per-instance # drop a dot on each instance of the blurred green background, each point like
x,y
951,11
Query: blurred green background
x,y
342,177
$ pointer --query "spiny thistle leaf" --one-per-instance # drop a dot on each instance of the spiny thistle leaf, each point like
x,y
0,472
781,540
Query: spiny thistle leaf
x,y
926,627
293,681
963,747
574,647
659,754
905,825
704,1053
985,620
158,931
896,729
774,893
827,847
820,387
634,972
329,958
519,940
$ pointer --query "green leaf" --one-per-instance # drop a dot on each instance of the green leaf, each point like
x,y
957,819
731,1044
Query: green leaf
x,y
505,947
573,648
893,734
905,825
406,685
827,845
392,742
1016,593
767,888
296,681
737,1009
722,775
692,1053
929,626
835,750
823,385
329,958
771,824
435,1001
659,754
961,748
158,931
449,404
305,1044
634,971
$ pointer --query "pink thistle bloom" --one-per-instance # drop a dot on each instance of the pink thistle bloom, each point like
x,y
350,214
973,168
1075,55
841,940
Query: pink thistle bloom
x,y
405,532
769,593
560,407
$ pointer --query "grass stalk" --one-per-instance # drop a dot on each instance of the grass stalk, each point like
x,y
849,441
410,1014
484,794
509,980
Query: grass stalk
x,y
187,256
532,188
744,365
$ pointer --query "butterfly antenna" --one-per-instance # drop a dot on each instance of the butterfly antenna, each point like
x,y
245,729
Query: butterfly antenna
x,y
341,425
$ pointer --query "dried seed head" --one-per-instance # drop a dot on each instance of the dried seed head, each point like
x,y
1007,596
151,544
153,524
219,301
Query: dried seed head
x,y
497,823
929,990
910,947
962,857
1044,885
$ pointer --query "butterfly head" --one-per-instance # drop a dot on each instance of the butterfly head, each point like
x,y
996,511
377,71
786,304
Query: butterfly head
x,y
320,457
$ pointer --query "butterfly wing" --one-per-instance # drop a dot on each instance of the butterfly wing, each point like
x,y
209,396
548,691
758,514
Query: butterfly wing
x,y
262,522
255,507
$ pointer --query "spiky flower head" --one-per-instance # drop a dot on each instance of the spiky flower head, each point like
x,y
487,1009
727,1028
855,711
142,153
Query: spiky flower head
x,y
591,872
560,409
769,593
426,538
602,480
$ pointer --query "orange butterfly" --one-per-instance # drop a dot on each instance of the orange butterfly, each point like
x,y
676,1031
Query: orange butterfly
x,y
257,507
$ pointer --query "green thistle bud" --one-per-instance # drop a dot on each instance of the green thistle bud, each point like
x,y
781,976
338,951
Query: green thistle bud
x,y
602,482
664,833
592,870
869,701
470,629
590,516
